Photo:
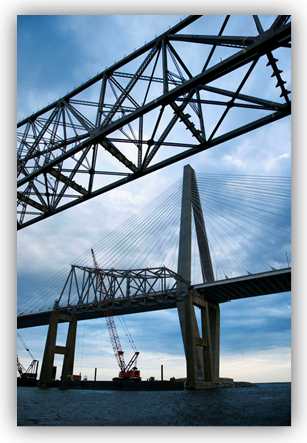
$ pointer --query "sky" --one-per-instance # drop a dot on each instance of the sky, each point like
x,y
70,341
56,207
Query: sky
x,y
57,53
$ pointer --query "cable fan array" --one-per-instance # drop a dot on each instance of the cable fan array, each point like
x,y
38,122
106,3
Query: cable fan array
x,y
247,222
150,238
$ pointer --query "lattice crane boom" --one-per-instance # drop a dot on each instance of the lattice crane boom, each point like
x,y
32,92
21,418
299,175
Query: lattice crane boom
x,y
20,368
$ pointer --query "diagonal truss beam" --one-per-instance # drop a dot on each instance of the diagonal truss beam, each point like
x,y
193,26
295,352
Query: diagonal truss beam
x,y
65,131
82,288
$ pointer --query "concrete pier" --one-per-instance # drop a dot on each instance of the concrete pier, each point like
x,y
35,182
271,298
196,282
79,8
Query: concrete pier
x,y
51,348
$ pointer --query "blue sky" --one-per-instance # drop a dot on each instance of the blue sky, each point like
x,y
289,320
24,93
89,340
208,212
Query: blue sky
x,y
57,53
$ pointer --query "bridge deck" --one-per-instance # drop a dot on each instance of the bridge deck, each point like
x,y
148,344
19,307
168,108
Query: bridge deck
x,y
247,286
118,306
218,292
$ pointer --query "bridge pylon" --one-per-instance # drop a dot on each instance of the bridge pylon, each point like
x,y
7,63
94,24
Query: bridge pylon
x,y
202,350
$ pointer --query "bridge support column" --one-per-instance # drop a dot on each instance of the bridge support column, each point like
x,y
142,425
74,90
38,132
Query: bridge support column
x,y
214,321
202,353
69,357
187,320
190,346
206,343
51,348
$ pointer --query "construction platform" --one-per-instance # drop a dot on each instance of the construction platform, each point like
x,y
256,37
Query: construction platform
x,y
120,385
149,385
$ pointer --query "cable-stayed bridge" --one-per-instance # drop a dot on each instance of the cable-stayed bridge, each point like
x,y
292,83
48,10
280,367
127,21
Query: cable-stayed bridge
x,y
238,247
248,227
207,239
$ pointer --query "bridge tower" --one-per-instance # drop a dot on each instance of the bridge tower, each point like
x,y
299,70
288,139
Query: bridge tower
x,y
201,350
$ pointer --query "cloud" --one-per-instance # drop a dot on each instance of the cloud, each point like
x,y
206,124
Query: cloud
x,y
271,163
233,161
255,324
267,366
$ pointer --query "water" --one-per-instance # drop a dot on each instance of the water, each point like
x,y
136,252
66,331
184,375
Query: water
x,y
265,405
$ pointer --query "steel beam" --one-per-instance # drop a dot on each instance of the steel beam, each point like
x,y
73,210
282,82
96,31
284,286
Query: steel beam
x,y
43,148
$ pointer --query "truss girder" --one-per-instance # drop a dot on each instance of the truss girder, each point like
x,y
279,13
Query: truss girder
x,y
82,287
140,112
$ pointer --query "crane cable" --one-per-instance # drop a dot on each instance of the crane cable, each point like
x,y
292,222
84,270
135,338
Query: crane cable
x,y
127,332
25,346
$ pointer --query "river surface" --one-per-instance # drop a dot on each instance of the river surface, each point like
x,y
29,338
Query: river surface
x,y
268,404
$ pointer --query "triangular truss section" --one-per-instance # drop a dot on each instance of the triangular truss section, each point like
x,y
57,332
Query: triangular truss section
x,y
180,94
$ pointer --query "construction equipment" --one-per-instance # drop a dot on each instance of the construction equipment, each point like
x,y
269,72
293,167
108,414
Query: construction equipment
x,y
32,370
127,372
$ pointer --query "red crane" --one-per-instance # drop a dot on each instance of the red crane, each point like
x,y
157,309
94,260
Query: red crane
x,y
126,371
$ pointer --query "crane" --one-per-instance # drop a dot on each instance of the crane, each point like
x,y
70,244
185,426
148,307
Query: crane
x,y
128,372
32,370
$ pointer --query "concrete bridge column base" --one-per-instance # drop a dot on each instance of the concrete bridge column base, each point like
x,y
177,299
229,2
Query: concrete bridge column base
x,y
200,385
202,351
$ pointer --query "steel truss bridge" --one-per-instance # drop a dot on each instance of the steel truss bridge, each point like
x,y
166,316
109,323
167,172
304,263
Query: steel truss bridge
x,y
119,125
125,290
141,290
